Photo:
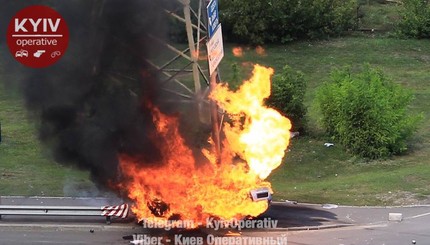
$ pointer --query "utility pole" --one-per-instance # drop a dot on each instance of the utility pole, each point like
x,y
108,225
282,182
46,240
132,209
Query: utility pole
x,y
215,119
215,51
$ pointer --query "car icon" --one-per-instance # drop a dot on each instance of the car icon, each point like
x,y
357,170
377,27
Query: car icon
x,y
21,53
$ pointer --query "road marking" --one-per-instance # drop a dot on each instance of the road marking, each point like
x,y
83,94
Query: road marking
x,y
418,216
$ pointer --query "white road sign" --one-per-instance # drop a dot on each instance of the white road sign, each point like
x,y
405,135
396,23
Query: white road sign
x,y
215,50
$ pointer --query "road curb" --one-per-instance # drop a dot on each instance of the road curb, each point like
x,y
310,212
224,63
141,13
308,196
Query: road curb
x,y
348,206
311,228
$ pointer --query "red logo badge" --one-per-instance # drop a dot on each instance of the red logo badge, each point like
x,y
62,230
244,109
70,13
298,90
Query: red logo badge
x,y
37,36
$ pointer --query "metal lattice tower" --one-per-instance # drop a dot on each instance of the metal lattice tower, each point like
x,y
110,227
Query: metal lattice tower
x,y
183,69
187,68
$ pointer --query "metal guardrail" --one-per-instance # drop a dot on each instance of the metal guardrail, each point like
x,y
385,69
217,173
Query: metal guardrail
x,y
52,211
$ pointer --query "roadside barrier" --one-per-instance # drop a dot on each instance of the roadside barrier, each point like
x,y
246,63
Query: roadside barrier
x,y
120,211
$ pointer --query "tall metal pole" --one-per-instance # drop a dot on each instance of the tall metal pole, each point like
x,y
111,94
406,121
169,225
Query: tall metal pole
x,y
215,120
213,106
213,79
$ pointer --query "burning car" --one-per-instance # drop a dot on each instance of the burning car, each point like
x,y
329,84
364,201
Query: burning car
x,y
261,194
180,186
159,208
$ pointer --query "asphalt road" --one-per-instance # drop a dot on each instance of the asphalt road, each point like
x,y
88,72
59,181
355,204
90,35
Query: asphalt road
x,y
299,224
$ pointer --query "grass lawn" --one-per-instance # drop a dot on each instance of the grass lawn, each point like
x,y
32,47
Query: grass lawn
x,y
312,172
380,17
26,168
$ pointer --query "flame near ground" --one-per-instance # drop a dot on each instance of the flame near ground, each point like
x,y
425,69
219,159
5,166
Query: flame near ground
x,y
255,141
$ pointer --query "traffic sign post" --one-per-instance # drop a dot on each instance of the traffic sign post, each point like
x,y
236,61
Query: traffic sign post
x,y
213,19
215,120
215,54
215,50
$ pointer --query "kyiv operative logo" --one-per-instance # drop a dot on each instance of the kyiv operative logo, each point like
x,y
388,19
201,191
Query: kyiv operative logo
x,y
37,36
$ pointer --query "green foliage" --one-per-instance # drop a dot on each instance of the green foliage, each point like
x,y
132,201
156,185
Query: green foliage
x,y
288,94
262,21
367,112
415,19
235,70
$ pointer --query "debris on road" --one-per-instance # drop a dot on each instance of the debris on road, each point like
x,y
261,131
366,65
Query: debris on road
x,y
395,217
329,206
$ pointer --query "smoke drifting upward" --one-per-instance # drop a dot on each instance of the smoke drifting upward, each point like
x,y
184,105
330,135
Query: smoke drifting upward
x,y
90,103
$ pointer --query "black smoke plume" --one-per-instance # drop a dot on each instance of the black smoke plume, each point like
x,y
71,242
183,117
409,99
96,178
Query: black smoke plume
x,y
89,104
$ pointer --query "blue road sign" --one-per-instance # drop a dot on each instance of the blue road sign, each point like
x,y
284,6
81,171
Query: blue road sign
x,y
213,19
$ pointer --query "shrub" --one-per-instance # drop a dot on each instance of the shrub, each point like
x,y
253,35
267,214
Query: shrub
x,y
366,112
288,92
415,19
262,21
246,21
235,78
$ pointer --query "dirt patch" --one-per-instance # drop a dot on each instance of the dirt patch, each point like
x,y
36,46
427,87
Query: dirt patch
x,y
5,174
425,58
334,44
403,198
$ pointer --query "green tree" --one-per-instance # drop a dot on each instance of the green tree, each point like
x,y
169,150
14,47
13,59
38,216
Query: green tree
x,y
288,93
415,19
367,112
260,21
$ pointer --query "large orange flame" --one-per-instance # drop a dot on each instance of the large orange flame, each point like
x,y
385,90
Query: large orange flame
x,y
262,137
195,190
